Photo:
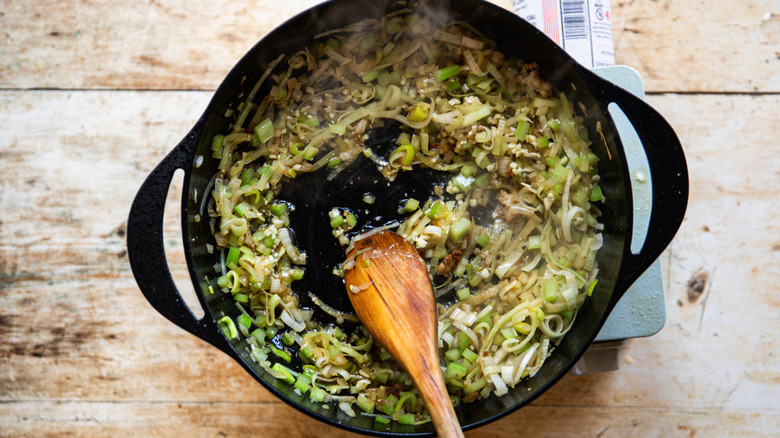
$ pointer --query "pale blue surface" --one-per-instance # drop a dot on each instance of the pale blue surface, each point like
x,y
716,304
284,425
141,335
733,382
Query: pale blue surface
x,y
641,311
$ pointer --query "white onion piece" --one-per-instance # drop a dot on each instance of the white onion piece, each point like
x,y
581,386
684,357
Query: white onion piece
x,y
296,256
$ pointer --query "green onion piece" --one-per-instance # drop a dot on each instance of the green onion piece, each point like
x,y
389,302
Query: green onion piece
x,y
309,120
409,149
463,183
592,287
232,257
455,371
333,162
411,205
228,327
280,353
282,373
468,170
464,294
543,142
406,418
264,130
580,195
380,419
483,180
339,334
364,403
217,142
246,176
309,370
302,384
509,332
269,242
260,355
595,193
483,240
560,173
394,77
453,86
446,73
551,290
310,152
296,274
452,355
384,77
336,221
317,394
337,129
534,242
244,319
522,129
241,298
552,161
295,148
287,339
474,116
419,112
278,209
351,220
370,76
259,335
486,319
381,376
274,301
475,385
436,209
459,229
388,404
241,209
306,352
554,125
470,355
566,313
463,341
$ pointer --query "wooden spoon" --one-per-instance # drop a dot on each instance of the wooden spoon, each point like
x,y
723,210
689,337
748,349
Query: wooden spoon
x,y
389,287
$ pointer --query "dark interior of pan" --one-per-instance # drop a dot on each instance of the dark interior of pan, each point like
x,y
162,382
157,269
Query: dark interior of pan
x,y
313,196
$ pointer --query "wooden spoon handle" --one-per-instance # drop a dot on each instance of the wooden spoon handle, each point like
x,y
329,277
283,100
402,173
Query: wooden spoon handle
x,y
434,393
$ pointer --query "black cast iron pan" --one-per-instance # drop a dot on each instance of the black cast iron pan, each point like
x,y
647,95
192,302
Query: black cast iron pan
x,y
314,196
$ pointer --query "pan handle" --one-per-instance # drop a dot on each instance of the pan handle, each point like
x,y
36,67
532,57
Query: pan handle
x,y
146,250
668,172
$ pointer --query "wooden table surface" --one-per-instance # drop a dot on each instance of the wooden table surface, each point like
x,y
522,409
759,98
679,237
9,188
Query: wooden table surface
x,y
93,93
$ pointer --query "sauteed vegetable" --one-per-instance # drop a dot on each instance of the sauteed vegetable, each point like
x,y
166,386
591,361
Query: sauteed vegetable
x,y
511,237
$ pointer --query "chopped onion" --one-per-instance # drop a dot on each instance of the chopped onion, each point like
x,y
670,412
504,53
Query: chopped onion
x,y
296,256
298,326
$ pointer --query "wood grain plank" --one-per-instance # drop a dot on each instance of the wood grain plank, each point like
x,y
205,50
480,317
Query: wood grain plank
x,y
142,419
80,343
677,45
700,46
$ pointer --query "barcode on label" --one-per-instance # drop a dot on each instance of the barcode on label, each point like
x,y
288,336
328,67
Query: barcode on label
x,y
574,19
